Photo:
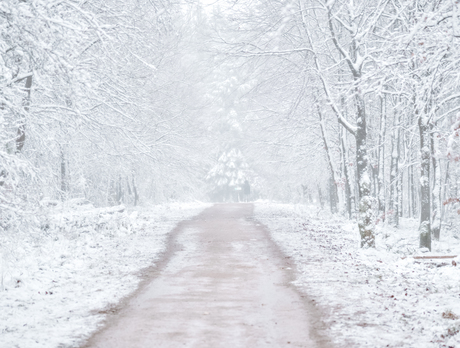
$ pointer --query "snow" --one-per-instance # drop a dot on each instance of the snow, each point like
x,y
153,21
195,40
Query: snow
x,y
59,283
378,297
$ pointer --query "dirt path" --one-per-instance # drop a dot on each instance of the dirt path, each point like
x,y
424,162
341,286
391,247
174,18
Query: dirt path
x,y
225,286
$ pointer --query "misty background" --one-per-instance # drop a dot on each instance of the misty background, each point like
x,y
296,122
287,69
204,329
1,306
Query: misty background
x,y
351,106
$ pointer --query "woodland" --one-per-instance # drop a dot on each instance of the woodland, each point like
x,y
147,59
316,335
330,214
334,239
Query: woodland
x,y
352,104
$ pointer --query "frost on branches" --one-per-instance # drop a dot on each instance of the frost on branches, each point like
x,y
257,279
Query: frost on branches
x,y
228,176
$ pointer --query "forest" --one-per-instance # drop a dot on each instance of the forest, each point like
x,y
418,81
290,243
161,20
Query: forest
x,y
125,124
349,104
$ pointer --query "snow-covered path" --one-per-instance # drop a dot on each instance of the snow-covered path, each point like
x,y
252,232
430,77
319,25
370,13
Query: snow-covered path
x,y
224,284
60,283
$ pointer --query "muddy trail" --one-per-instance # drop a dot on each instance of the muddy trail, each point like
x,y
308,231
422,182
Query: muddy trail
x,y
223,283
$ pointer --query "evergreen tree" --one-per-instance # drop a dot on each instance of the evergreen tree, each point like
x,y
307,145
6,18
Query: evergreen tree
x,y
228,176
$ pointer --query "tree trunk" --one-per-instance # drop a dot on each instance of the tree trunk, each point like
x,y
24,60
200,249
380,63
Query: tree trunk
x,y
136,194
398,183
374,170
414,193
21,133
425,224
334,196
64,184
346,174
392,205
320,198
381,159
394,174
120,191
436,194
303,189
365,218
445,188
400,194
413,182
410,182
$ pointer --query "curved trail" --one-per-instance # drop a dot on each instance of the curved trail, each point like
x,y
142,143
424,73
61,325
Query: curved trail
x,y
227,285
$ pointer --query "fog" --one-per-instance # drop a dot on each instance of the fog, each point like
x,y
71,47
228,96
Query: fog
x,y
348,107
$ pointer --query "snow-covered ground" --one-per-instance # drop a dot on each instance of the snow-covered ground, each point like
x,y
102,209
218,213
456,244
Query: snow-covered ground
x,y
371,298
57,282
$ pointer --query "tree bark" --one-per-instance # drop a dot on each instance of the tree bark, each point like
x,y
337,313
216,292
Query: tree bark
x,y
348,195
445,188
320,197
425,209
64,181
436,194
381,154
394,174
21,132
414,192
136,194
334,196
365,218
398,182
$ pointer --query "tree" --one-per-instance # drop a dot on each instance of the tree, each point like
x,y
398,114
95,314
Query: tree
x,y
228,176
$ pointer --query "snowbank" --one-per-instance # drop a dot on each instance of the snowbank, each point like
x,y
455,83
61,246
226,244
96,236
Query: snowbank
x,y
370,298
58,282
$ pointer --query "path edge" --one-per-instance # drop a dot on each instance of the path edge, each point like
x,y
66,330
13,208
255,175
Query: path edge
x,y
146,276
320,329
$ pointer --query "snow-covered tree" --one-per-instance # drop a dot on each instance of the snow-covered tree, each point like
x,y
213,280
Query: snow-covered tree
x,y
228,176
